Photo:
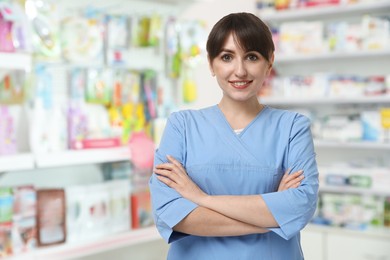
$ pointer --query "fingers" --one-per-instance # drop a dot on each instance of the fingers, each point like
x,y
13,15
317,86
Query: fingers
x,y
170,173
294,175
294,179
169,182
174,161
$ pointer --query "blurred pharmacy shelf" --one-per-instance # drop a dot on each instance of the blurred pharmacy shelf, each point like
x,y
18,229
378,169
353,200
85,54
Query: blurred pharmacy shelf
x,y
352,145
297,101
353,190
329,243
331,56
381,233
15,60
323,12
91,247
77,157
17,162
29,161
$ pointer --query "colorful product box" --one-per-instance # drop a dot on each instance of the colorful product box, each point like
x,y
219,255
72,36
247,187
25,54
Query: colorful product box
x,y
51,219
141,210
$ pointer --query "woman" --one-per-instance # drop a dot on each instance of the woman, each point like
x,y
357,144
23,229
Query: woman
x,y
222,187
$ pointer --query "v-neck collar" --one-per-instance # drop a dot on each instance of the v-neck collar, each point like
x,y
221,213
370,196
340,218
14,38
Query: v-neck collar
x,y
219,111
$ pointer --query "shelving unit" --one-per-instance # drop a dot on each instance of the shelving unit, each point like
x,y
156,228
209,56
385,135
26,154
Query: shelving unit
x,y
352,190
29,161
56,165
18,162
352,145
111,242
325,242
15,61
327,11
373,232
299,101
331,56
77,157
356,244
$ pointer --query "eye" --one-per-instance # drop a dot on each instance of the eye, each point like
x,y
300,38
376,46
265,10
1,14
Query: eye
x,y
226,57
252,57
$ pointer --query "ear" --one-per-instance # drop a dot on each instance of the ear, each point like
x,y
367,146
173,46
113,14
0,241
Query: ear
x,y
271,62
210,66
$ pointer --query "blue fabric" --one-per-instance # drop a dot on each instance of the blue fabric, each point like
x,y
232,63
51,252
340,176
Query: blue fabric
x,y
224,163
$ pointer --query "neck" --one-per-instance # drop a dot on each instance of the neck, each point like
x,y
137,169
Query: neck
x,y
249,107
240,114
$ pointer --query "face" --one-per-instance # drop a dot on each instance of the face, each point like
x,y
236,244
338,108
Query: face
x,y
240,74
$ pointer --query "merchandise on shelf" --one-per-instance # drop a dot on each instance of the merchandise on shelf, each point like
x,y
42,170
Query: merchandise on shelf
x,y
316,37
119,206
82,39
6,23
8,143
6,202
173,61
96,210
24,235
350,211
12,87
385,122
272,6
376,32
113,106
366,177
301,37
51,218
387,212
142,150
45,23
372,128
48,118
14,28
141,210
5,239
117,170
76,213
326,85
145,30
6,213
117,39
31,217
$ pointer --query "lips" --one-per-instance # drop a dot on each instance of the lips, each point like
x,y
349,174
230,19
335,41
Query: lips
x,y
242,84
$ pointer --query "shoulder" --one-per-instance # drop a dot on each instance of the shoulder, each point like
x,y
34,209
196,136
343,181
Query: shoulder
x,y
286,116
189,116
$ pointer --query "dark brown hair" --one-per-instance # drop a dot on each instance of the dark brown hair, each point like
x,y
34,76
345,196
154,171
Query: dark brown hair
x,y
250,33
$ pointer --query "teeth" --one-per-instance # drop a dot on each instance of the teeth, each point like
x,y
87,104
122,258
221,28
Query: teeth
x,y
240,83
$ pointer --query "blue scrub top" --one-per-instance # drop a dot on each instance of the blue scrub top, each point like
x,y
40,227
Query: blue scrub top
x,y
222,162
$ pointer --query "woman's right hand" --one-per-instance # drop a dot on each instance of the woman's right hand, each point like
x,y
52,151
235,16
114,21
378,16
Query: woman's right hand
x,y
292,180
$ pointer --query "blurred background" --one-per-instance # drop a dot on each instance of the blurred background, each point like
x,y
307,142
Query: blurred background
x,y
86,87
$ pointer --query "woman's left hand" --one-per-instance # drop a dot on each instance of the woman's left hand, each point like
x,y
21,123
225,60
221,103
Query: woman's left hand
x,y
175,176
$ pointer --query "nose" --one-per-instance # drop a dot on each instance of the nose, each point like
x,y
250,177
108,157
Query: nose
x,y
240,69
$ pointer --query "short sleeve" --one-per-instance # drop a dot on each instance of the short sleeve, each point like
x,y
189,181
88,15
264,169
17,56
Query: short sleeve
x,y
293,208
169,207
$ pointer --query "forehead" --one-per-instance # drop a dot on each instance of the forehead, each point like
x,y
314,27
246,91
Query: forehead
x,y
232,43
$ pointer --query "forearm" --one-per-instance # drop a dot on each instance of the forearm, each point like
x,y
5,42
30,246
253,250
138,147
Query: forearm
x,y
250,209
205,222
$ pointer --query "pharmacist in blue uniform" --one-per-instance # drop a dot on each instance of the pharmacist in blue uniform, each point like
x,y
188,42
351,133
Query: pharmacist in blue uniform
x,y
228,181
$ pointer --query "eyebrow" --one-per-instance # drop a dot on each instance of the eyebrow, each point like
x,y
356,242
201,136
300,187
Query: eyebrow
x,y
227,50
246,53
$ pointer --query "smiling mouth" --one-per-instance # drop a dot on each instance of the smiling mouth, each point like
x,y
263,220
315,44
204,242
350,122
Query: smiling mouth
x,y
240,84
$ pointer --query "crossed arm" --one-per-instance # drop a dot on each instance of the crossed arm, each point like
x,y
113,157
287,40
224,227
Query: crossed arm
x,y
222,215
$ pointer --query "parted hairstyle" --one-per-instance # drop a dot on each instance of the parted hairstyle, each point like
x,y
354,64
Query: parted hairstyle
x,y
249,32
